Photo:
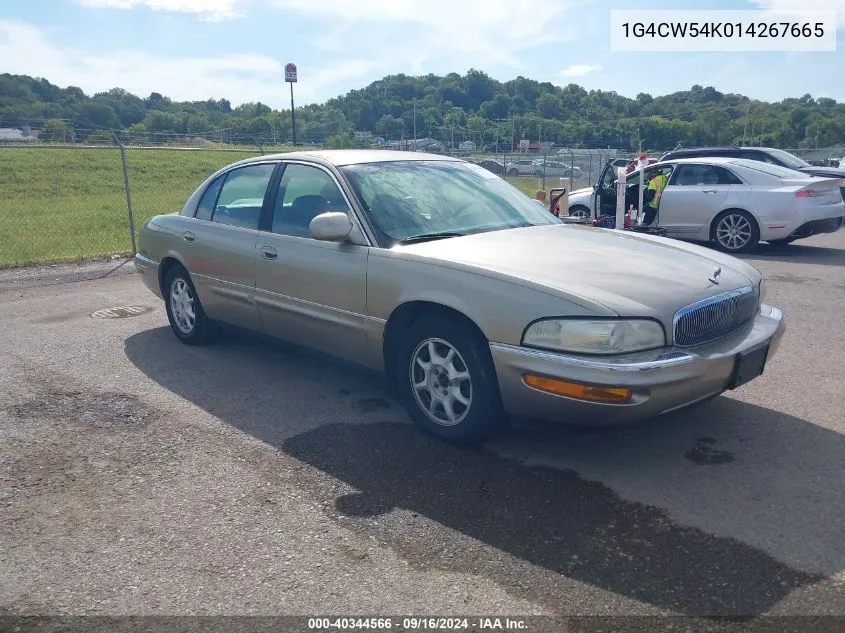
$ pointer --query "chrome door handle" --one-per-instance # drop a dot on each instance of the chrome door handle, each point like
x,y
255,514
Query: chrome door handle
x,y
710,191
188,236
268,252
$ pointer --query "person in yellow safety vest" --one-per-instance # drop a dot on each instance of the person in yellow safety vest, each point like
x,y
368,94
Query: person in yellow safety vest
x,y
656,184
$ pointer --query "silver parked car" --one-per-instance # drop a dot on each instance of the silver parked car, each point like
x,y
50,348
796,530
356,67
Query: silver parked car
x,y
734,203
474,299
556,169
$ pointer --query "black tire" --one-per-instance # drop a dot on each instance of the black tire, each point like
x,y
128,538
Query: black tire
x,y
784,242
202,330
514,172
538,174
579,210
731,245
484,415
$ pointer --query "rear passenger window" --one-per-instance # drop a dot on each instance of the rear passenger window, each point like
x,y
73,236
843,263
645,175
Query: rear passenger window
x,y
206,205
698,175
727,177
242,196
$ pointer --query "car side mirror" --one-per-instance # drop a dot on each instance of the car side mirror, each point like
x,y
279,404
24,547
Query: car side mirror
x,y
332,226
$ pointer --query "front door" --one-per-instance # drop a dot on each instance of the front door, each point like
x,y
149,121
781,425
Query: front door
x,y
605,198
219,248
309,291
692,196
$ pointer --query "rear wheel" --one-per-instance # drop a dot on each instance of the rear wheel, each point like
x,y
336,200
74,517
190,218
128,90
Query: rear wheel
x,y
184,310
538,174
514,172
735,231
448,380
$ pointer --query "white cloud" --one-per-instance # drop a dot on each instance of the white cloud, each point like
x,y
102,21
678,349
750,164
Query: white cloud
x,y
211,10
404,36
240,77
462,33
579,70
799,8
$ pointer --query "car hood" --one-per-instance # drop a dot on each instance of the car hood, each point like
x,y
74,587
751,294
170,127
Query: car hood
x,y
585,190
627,273
828,172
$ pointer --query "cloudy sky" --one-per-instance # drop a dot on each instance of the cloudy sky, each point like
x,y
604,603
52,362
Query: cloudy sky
x,y
199,49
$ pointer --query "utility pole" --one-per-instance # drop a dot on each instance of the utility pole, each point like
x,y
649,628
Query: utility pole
x,y
290,77
747,114
415,124
292,115
513,133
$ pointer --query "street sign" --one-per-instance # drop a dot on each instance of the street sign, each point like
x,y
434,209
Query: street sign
x,y
290,73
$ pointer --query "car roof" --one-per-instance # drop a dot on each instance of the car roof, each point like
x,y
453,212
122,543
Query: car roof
x,y
737,148
716,160
341,157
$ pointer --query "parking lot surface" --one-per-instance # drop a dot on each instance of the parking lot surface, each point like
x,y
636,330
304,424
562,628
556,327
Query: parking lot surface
x,y
142,476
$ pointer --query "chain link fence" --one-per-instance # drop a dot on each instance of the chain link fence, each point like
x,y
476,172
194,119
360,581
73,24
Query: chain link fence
x,y
74,202
66,203
69,203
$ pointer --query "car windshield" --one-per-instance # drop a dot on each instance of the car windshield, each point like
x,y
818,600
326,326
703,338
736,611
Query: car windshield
x,y
789,160
408,200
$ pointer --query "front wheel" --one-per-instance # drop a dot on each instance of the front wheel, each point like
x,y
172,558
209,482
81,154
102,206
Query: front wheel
x,y
514,172
184,311
735,231
579,211
448,381
538,174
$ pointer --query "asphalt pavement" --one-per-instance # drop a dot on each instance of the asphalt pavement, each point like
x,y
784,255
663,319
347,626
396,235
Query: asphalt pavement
x,y
142,476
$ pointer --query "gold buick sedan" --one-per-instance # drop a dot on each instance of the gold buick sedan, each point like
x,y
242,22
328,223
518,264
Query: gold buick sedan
x,y
474,300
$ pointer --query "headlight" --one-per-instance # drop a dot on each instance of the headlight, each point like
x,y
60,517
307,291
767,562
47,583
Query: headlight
x,y
595,337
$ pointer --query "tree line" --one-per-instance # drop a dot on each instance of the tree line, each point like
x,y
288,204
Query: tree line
x,y
472,107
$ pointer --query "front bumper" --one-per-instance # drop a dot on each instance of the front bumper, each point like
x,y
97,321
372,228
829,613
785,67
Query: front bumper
x,y
661,381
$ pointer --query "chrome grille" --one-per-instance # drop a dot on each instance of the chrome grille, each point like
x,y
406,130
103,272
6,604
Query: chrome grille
x,y
715,317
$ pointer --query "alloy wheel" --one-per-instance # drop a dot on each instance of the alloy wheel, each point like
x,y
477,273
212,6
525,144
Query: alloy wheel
x,y
733,232
441,382
182,305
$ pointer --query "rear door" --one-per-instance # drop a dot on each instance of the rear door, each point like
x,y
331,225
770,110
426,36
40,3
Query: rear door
x,y
694,193
219,247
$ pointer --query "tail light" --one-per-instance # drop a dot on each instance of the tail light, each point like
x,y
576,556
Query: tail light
x,y
809,193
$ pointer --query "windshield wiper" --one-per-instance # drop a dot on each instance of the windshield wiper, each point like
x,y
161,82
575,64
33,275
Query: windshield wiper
x,y
424,237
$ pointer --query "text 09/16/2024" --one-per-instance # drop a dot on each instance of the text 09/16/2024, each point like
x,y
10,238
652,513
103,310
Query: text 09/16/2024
x,y
722,31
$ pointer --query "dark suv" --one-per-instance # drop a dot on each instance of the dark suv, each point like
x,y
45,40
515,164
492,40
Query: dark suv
x,y
765,154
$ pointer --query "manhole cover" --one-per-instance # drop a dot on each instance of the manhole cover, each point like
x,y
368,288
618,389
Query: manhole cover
x,y
121,312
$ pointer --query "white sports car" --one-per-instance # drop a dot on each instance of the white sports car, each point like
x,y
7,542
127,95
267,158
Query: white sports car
x,y
733,202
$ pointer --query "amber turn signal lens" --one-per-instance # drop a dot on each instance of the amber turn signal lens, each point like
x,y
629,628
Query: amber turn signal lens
x,y
609,395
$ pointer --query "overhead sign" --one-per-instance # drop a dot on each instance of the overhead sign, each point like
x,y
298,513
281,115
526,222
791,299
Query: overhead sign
x,y
290,73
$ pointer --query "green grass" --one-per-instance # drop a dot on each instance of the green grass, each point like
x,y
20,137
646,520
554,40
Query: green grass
x,y
66,204
530,184
69,204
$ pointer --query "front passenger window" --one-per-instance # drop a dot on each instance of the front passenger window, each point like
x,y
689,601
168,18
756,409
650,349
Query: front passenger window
x,y
242,196
304,193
